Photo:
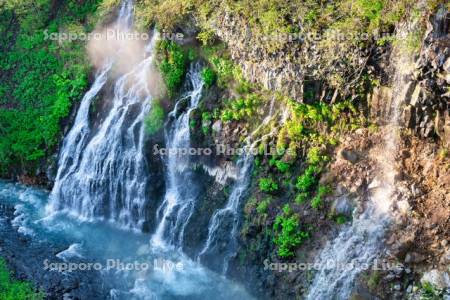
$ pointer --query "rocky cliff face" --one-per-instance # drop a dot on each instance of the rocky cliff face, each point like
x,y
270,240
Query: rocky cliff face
x,y
418,242
427,97
276,71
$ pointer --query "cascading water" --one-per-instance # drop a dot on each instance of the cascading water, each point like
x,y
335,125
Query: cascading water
x,y
222,230
358,245
103,172
224,224
178,204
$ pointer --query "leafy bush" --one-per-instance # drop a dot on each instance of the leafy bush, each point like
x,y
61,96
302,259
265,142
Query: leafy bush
x,y
308,180
429,292
288,235
268,185
280,165
317,201
11,289
208,76
238,109
315,156
206,122
301,198
172,65
263,206
155,120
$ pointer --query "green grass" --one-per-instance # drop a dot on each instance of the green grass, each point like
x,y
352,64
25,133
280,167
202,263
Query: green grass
x,y
11,289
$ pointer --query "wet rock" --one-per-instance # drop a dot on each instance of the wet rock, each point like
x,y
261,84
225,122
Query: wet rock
x,y
445,259
26,257
342,206
217,126
439,279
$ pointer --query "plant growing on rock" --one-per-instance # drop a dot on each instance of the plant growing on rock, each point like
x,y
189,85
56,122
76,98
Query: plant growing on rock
x,y
155,119
317,201
263,206
172,64
268,185
308,180
288,234
208,76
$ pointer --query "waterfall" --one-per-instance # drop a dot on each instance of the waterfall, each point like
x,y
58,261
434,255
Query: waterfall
x,y
181,194
358,245
102,172
224,224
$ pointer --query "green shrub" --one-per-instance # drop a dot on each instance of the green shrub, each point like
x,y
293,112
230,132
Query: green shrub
x,y
263,206
429,292
316,202
155,119
11,289
206,122
208,76
288,235
308,180
268,185
241,108
301,197
280,165
172,65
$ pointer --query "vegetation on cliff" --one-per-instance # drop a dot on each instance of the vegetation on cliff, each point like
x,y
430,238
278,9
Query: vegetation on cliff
x,y
40,78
